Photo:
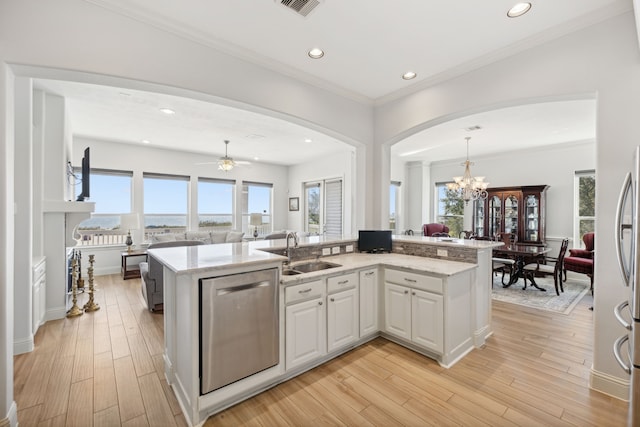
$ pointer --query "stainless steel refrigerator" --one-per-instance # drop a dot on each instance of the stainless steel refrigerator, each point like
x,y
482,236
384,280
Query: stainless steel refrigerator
x,y
627,347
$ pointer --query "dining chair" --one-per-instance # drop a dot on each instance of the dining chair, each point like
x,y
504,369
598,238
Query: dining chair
x,y
541,267
466,234
504,266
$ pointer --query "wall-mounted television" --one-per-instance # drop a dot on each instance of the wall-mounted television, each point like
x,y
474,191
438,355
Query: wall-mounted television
x,y
85,177
374,241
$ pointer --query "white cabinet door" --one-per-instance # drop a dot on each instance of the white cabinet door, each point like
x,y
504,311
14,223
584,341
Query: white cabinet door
x,y
397,313
368,302
427,320
305,332
342,318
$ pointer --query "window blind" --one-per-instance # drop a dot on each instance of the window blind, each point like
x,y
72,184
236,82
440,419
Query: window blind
x,y
333,207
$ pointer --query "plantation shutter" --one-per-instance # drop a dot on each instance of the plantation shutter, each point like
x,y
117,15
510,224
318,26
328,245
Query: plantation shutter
x,y
333,207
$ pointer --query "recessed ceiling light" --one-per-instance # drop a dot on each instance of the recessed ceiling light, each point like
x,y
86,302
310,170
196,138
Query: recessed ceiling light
x,y
518,10
316,53
409,75
307,140
146,141
256,158
168,111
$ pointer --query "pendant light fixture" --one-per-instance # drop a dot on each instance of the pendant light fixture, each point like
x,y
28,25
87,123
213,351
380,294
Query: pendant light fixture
x,y
470,188
226,163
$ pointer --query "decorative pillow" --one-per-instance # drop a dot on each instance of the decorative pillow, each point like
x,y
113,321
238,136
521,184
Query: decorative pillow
x,y
203,236
234,236
168,237
218,236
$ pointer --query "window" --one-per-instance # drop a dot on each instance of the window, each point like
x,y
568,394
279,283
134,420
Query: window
x,y
256,198
165,203
313,208
584,206
215,204
323,207
394,205
111,192
449,208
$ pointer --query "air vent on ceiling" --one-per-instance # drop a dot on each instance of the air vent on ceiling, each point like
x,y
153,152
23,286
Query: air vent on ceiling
x,y
301,7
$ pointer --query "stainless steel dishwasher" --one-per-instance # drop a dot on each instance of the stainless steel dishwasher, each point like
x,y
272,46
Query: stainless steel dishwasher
x,y
239,328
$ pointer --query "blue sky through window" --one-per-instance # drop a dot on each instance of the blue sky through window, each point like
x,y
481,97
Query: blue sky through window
x,y
111,193
165,196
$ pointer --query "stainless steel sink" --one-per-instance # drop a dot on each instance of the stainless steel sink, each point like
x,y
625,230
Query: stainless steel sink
x,y
308,267
289,272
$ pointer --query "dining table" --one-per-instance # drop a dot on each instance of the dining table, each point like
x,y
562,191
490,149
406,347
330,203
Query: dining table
x,y
522,255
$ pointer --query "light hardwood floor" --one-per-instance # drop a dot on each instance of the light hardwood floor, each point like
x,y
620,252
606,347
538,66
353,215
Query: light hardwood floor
x,y
105,369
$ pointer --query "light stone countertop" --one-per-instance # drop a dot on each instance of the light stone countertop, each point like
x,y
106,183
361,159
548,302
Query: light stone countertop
x,y
192,259
358,261
201,258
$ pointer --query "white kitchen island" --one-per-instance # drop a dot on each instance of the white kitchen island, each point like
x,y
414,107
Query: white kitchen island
x,y
331,311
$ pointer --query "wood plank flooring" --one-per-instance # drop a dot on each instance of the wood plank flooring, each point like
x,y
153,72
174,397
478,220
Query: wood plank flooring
x,y
105,369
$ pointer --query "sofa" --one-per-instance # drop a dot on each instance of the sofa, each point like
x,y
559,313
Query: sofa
x,y
207,237
151,272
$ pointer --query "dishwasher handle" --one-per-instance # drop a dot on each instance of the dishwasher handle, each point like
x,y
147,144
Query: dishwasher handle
x,y
242,288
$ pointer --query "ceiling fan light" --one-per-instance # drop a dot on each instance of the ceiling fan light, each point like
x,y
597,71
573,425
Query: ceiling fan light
x,y
226,164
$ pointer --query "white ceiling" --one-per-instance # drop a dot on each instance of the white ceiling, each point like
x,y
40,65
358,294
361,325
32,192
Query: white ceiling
x,y
368,45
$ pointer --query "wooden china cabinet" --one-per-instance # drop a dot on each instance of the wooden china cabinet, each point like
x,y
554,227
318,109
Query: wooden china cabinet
x,y
519,211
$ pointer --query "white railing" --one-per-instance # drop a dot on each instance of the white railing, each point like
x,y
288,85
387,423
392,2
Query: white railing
x,y
101,237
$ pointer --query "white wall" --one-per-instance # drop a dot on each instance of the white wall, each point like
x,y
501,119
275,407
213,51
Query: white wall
x,y
144,158
553,166
602,61
338,165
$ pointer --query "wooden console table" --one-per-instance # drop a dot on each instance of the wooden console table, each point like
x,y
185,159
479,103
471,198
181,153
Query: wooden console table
x,y
131,271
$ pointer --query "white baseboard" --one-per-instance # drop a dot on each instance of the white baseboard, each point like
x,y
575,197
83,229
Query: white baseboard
x,y
55,313
23,345
11,419
609,385
106,270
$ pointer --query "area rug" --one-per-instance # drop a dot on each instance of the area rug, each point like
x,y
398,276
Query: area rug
x,y
574,290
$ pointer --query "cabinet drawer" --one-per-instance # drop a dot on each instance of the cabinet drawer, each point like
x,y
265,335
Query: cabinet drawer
x,y
418,281
345,281
304,291
39,270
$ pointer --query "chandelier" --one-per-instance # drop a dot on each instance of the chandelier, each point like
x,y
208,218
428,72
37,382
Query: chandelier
x,y
468,187
226,163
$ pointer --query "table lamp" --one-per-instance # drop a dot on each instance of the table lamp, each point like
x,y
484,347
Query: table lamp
x,y
129,222
256,220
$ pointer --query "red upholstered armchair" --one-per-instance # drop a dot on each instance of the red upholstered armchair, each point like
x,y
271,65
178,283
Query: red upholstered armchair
x,y
429,229
581,260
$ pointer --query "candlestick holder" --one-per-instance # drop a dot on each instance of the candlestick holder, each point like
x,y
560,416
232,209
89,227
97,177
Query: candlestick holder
x,y
91,305
74,311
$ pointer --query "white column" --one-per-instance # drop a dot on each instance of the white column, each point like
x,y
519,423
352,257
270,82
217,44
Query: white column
x,y
8,409
23,225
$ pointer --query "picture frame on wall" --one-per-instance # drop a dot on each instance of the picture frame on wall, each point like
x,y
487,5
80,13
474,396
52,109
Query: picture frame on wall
x,y
294,203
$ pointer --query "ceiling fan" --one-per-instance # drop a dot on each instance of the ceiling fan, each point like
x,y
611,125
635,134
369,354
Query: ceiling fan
x,y
226,163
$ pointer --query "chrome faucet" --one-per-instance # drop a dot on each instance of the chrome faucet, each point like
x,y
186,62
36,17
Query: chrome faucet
x,y
288,250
